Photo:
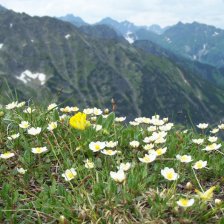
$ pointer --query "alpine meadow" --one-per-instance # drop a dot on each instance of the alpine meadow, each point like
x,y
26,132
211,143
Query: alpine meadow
x,y
110,122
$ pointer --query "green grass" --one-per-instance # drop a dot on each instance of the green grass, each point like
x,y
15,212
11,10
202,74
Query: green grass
x,y
42,195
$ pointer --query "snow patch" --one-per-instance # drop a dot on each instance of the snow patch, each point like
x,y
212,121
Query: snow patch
x,y
215,34
27,76
67,36
194,57
168,40
129,37
203,51
1,45
32,40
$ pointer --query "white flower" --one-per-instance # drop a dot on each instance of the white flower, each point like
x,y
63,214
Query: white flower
x,y
221,126
74,109
212,147
166,127
52,126
160,140
97,127
21,104
148,146
39,150
65,109
21,170
124,166
119,119
111,144
212,139
118,176
24,124
200,164
152,128
198,141
202,125
148,158
185,202
161,151
88,111
184,158
157,122
147,139
34,131
29,110
214,130
133,123
134,144
169,173
11,105
7,155
143,120
69,174
15,136
62,117
97,146
109,152
52,106
89,164
97,111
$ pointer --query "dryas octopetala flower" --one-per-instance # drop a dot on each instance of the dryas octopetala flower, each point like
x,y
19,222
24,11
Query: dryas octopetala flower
x,y
119,119
198,141
161,151
21,104
24,124
212,147
118,176
184,158
69,174
34,131
97,127
12,105
97,111
79,121
52,126
12,137
21,170
109,152
169,173
212,139
148,146
200,164
134,144
133,123
39,150
7,155
214,130
89,164
111,144
207,195
183,202
221,126
52,106
29,110
148,158
202,125
124,166
97,146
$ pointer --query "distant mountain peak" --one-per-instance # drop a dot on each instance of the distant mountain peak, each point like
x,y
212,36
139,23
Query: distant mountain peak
x,y
75,20
2,8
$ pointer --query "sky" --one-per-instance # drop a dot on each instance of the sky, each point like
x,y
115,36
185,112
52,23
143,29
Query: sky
x,y
140,12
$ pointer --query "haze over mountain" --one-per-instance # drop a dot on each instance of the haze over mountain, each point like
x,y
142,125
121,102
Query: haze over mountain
x,y
46,58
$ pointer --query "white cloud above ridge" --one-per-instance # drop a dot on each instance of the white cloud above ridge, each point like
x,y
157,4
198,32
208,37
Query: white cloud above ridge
x,y
141,12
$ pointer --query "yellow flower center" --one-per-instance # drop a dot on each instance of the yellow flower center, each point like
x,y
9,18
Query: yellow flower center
x,y
97,147
70,175
184,202
169,175
159,152
199,165
38,150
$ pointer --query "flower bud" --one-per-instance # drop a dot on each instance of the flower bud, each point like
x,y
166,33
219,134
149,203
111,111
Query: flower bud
x,y
62,220
189,186
218,201
2,113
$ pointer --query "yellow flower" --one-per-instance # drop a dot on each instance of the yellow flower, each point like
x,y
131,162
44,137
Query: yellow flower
x,y
207,195
79,121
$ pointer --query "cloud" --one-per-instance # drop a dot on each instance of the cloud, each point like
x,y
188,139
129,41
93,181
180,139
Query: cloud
x,y
141,12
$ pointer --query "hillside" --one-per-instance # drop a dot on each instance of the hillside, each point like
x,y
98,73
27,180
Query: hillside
x,y
48,59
